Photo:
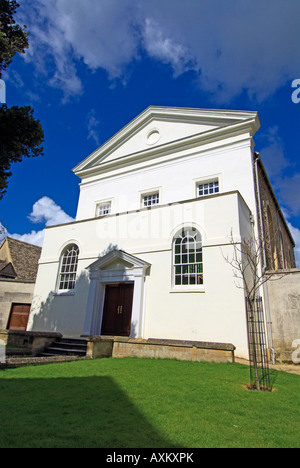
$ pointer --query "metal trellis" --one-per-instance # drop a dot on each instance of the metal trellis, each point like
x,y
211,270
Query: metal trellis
x,y
260,376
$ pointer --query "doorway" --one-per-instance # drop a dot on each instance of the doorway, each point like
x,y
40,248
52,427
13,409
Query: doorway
x,y
117,310
19,317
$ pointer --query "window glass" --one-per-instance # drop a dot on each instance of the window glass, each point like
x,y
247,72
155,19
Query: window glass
x,y
68,268
150,200
208,188
103,209
188,259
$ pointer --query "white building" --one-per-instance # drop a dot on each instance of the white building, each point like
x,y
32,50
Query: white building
x,y
158,205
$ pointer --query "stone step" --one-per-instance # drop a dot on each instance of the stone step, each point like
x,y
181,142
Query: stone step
x,y
66,347
51,350
76,341
36,361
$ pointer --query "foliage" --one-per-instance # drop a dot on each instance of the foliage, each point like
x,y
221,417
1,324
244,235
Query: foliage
x,y
144,403
21,136
13,38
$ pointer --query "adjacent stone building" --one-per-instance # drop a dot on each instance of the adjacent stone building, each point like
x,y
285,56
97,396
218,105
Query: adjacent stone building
x,y
18,270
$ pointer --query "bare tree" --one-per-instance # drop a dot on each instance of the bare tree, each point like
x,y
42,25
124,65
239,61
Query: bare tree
x,y
246,263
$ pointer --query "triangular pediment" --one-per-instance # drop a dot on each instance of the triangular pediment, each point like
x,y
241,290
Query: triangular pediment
x,y
160,129
118,260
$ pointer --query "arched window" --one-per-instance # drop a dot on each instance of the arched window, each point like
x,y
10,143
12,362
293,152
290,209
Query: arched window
x,y
188,260
68,268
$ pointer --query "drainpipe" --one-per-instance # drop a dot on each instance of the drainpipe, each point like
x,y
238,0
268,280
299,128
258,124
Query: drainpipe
x,y
280,237
265,286
267,302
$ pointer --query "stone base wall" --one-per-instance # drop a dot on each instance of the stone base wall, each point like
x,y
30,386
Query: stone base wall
x,y
31,342
119,347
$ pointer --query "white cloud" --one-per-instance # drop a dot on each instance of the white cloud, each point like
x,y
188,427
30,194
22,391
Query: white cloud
x,y
100,33
49,50
164,49
3,233
232,46
45,211
93,127
33,237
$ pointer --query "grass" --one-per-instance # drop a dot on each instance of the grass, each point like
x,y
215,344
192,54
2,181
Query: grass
x,y
132,403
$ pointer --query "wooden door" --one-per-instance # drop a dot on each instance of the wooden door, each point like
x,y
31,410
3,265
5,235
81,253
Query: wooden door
x,y
117,309
19,317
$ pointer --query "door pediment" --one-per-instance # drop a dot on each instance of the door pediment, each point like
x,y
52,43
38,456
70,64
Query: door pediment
x,y
118,260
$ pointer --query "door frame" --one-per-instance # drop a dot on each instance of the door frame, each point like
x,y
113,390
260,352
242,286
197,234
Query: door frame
x,y
117,286
116,267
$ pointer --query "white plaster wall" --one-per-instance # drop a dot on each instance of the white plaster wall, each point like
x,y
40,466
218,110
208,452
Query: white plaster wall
x,y
175,178
214,314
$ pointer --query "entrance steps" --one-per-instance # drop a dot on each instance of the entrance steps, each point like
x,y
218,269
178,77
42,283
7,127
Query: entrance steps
x,y
66,347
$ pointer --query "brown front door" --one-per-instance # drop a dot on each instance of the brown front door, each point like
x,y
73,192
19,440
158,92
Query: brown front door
x,y
19,317
117,309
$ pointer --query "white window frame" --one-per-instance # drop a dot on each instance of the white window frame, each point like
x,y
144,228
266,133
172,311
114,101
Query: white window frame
x,y
67,273
208,187
208,179
187,261
105,206
153,197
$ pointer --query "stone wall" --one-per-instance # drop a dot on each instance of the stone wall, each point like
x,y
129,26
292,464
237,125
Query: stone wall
x,y
278,242
284,301
119,347
31,342
16,292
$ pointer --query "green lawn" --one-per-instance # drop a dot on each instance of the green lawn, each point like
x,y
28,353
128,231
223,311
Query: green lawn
x,y
141,403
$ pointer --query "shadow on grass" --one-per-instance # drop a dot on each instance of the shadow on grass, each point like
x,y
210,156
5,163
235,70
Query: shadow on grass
x,y
72,412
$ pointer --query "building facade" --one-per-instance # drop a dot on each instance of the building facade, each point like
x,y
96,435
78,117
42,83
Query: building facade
x,y
161,206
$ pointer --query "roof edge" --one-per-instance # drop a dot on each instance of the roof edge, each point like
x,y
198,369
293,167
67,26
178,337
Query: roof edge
x,y
231,117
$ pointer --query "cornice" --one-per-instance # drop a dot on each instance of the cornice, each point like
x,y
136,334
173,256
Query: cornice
x,y
230,121
217,138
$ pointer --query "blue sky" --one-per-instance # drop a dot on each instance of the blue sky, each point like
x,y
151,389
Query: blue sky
x,y
93,65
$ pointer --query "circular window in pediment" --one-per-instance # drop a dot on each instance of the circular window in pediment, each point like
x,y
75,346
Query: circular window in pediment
x,y
153,137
